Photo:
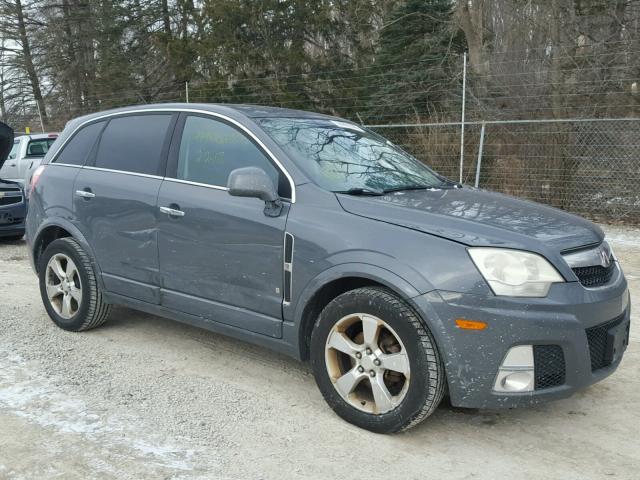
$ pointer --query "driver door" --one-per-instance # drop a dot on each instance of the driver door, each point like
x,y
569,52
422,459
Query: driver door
x,y
221,257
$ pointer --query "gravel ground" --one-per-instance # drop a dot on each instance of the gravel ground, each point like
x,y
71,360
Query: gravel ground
x,y
142,397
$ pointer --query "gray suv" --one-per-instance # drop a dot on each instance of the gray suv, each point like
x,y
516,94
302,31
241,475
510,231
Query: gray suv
x,y
318,238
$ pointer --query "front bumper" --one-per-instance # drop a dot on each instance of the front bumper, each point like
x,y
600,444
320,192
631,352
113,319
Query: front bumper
x,y
472,358
12,219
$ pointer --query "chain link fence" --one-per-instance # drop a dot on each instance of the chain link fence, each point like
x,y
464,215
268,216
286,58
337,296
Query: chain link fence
x,y
586,166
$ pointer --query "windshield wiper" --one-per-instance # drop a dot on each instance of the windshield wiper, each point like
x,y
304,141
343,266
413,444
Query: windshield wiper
x,y
409,187
445,184
362,191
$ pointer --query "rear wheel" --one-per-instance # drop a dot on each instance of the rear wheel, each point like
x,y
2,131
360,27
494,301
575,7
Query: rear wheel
x,y
68,286
375,363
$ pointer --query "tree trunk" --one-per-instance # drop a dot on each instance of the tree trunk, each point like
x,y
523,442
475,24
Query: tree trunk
x,y
556,63
471,20
28,63
74,77
166,20
3,108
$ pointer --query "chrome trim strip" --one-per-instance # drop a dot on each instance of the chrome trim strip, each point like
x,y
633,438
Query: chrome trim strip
x,y
186,110
136,174
188,182
65,165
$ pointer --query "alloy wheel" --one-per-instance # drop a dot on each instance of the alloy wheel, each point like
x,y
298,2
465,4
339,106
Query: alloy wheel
x,y
63,284
367,363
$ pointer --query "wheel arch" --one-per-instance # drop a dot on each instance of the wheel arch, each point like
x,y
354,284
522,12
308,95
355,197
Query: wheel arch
x,y
54,229
336,281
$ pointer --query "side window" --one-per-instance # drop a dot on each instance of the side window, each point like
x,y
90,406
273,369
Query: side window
x,y
133,143
76,150
210,150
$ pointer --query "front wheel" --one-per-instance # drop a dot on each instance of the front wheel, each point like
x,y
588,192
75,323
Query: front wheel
x,y
375,362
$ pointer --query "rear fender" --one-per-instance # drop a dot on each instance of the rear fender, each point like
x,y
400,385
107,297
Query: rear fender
x,y
73,232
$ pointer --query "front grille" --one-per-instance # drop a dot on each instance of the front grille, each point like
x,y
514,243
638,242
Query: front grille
x,y
599,348
549,366
5,200
9,195
595,275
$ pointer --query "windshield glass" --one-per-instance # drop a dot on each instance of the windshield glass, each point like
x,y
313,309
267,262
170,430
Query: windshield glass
x,y
342,157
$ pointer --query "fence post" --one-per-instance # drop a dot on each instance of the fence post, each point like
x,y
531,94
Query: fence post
x,y
480,151
464,96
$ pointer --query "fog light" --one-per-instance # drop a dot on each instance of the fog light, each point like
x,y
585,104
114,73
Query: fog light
x,y
519,381
516,372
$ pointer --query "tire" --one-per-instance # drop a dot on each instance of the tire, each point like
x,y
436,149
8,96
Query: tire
x,y
412,399
91,310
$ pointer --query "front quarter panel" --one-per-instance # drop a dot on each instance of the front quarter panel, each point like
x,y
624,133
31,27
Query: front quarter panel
x,y
328,239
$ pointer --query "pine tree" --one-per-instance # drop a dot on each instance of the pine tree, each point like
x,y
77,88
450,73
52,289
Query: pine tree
x,y
417,46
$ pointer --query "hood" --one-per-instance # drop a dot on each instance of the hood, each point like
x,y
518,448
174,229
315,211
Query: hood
x,y
478,218
6,142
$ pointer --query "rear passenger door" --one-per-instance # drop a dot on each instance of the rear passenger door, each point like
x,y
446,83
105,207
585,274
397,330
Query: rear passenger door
x,y
115,202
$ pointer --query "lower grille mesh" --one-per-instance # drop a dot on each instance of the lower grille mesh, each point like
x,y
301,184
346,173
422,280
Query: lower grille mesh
x,y
549,366
598,337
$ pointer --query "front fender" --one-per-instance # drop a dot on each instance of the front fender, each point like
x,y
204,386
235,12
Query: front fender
x,y
294,327
359,270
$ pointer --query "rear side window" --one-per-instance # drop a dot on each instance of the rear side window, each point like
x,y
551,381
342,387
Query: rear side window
x,y
76,150
133,143
39,147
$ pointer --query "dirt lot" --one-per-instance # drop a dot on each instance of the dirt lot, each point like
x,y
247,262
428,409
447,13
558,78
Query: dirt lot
x,y
143,397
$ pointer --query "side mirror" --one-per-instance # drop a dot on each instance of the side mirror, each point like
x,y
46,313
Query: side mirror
x,y
255,183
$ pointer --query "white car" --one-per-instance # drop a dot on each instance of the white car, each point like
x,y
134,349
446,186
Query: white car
x,y
25,156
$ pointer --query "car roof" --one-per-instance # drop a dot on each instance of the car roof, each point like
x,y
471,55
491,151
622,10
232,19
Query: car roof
x,y
38,136
232,110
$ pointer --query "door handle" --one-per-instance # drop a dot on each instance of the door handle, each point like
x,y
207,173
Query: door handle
x,y
85,194
172,212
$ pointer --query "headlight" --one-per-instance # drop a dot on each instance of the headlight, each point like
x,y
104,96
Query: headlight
x,y
515,273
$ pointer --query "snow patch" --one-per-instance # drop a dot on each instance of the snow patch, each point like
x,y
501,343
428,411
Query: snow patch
x,y
39,401
622,236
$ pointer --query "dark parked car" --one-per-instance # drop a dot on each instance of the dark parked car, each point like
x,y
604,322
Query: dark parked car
x,y
318,238
13,208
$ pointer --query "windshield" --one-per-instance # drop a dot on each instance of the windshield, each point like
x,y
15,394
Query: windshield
x,y
342,157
